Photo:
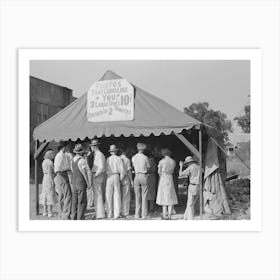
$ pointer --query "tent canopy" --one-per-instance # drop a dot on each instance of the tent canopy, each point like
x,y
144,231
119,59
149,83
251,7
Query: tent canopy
x,y
152,116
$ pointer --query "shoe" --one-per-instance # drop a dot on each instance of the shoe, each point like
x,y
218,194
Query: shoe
x,y
137,217
122,216
45,214
50,215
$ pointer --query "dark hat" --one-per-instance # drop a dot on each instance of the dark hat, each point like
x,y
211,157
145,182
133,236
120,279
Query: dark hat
x,y
79,149
94,142
113,148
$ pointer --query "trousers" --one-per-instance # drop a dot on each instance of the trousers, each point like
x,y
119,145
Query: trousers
x,y
125,191
98,196
90,198
193,191
64,195
141,192
113,195
79,203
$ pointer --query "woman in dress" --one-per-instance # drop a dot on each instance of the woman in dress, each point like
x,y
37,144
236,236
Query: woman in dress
x,y
48,196
166,196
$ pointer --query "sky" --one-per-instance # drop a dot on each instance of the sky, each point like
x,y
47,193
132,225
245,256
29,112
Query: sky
x,y
224,84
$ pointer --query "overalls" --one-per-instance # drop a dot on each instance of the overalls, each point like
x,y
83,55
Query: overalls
x,y
79,195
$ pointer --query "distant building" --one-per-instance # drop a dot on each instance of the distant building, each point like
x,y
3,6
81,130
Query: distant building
x,y
235,141
230,148
46,99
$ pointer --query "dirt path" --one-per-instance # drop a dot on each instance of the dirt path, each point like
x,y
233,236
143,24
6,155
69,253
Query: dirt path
x,y
238,193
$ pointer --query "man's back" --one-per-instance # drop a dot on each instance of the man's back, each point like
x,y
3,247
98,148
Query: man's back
x,y
114,164
140,163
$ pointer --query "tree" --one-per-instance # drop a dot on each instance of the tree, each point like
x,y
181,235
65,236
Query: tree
x,y
245,121
202,112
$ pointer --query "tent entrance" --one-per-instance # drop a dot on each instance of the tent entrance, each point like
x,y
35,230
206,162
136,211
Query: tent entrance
x,y
188,142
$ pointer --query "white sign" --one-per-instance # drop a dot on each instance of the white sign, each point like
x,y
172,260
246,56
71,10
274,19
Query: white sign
x,y
110,100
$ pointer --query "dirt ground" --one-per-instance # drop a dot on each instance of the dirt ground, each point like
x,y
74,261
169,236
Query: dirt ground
x,y
238,192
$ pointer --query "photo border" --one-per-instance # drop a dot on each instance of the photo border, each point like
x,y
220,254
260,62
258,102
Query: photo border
x,y
255,57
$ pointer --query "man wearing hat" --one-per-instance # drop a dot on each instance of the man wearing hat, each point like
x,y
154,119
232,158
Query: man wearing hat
x,y
191,172
115,173
81,180
126,183
141,166
98,172
61,180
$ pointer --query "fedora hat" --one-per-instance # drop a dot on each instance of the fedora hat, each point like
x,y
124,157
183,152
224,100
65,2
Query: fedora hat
x,y
141,146
113,148
79,149
189,159
94,142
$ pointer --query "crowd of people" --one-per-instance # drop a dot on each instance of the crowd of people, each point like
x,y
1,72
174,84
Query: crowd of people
x,y
77,179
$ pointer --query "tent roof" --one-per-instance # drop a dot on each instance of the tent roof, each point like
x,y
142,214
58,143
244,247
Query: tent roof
x,y
152,116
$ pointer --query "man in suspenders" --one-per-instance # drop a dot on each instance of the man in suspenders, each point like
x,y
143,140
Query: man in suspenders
x,y
81,180
61,180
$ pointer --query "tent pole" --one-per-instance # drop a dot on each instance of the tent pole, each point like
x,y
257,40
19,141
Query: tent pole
x,y
188,144
200,175
36,180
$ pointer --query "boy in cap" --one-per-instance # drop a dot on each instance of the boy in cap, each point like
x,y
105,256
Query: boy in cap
x,y
98,172
115,174
141,166
191,172
81,180
61,180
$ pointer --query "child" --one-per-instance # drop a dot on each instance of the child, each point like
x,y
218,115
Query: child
x,y
48,196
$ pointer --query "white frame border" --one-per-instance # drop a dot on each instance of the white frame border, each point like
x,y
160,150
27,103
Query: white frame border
x,y
24,57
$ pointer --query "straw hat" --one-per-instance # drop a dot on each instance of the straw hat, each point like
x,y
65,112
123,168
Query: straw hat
x,y
79,149
141,146
189,159
113,148
94,142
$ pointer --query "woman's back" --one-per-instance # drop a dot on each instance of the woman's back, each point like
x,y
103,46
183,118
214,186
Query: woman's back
x,y
167,165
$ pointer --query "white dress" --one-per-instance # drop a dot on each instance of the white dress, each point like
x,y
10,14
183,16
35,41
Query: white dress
x,y
48,195
166,191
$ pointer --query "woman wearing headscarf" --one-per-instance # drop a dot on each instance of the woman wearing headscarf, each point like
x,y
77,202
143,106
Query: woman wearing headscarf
x,y
166,196
48,196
